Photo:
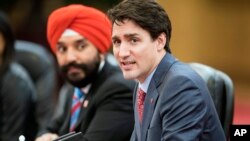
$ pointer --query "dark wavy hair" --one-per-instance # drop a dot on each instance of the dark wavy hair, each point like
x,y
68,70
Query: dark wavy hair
x,y
8,37
148,14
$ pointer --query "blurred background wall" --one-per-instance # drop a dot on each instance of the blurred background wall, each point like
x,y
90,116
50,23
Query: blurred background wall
x,y
216,33
213,32
29,17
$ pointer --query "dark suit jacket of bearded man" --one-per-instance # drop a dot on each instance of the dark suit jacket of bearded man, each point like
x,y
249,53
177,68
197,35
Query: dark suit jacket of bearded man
x,y
108,115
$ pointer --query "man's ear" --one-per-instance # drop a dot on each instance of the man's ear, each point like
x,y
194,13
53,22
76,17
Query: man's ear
x,y
161,41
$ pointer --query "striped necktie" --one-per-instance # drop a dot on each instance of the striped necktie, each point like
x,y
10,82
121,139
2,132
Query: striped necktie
x,y
76,107
140,103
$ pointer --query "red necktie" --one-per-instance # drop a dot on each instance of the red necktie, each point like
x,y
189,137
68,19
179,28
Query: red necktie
x,y
140,103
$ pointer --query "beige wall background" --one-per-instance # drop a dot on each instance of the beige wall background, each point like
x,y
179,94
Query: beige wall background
x,y
216,33
213,32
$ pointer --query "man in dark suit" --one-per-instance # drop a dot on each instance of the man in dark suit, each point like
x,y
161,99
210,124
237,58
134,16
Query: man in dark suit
x,y
172,102
98,101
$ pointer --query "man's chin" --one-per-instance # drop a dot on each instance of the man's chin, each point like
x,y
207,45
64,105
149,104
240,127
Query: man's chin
x,y
128,76
79,84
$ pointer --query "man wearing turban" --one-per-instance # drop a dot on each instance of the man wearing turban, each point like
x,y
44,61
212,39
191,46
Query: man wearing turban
x,y
97,101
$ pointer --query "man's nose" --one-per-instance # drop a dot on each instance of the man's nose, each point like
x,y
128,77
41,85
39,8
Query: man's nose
x,y
71,55
124,50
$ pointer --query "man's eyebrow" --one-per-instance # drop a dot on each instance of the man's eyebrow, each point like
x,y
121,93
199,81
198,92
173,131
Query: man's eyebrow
x,y
81,41
77,41
126,35
115,37
131,35
59,43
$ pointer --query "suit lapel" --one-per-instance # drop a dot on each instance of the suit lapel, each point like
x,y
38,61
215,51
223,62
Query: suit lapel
x,y
86,113
152,93
69,95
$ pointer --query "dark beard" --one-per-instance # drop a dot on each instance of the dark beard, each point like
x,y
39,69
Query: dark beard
x,y
90,70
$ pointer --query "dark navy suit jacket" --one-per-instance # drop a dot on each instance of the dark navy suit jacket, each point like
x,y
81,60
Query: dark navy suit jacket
x,y
177,107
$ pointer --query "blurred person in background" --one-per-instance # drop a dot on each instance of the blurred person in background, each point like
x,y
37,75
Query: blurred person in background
x,y
17,92
172,102
98,100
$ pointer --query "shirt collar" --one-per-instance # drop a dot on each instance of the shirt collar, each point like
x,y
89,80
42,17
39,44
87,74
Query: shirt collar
x,y
85,89
145,84
101,65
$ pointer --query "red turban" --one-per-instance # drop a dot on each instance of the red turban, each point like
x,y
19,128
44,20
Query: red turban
x,y
87,21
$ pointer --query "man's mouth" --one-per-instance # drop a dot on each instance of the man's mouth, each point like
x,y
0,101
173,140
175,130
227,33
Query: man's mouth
x,y
127,65
73,70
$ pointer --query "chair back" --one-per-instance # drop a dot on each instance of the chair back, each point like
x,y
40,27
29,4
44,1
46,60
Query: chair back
x,y
41,66
221,89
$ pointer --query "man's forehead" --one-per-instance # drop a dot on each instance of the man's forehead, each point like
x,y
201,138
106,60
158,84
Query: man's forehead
x,y
69,32
71,39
